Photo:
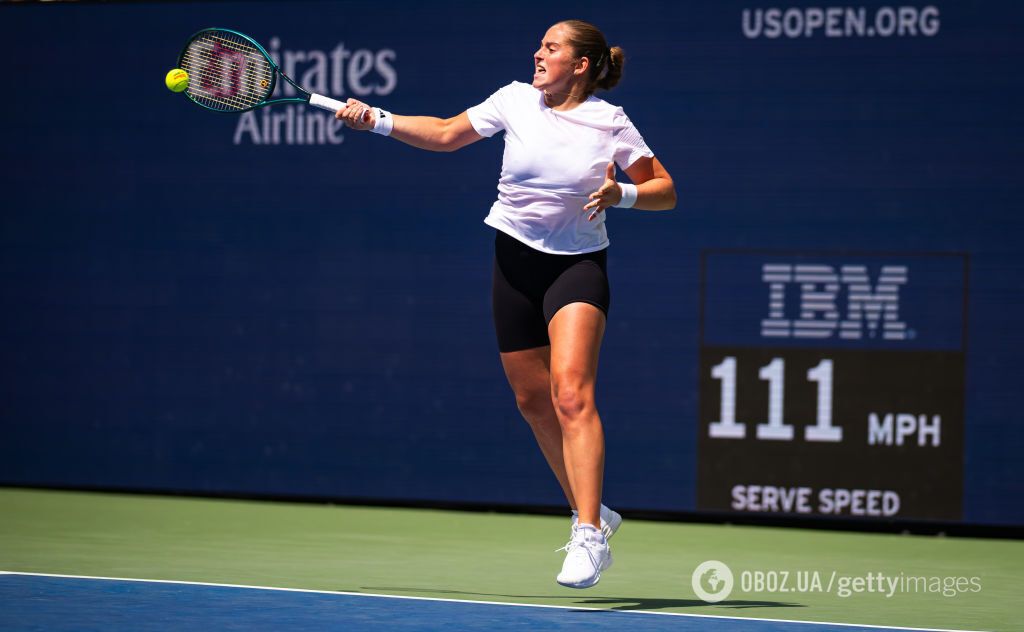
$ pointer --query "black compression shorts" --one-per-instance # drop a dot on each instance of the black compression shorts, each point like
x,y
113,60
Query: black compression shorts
x,y
530,286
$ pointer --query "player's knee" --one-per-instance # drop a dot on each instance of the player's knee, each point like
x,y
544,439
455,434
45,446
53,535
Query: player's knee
x,y
572,400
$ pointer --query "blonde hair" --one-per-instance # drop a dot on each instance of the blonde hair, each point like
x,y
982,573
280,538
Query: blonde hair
x,y
606,63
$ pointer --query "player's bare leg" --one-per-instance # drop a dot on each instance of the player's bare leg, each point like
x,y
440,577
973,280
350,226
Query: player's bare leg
x,y
576,331
528,373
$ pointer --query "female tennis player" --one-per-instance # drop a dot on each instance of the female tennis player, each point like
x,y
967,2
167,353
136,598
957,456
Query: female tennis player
x,y
550,286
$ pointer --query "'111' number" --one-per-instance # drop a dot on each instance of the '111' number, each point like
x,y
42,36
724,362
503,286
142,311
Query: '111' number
x,y
728,428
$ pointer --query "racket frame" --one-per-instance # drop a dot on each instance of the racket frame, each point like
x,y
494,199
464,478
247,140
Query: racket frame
x,y
276,71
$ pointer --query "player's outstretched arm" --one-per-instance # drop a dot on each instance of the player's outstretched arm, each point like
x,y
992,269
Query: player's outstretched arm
x,y
426,132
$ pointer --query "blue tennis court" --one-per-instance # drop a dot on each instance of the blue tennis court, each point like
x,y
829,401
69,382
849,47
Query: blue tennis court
x,y
56,603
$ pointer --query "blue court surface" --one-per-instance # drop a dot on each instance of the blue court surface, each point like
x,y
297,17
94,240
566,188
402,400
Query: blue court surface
x,y
58,603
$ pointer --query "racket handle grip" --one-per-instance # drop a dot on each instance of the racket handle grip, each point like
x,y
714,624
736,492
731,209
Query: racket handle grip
x,y
326,103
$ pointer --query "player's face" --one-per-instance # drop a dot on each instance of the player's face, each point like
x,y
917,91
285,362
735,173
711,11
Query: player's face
x,y
555,62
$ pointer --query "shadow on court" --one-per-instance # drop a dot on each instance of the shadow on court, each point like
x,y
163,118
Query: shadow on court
x,y
610,603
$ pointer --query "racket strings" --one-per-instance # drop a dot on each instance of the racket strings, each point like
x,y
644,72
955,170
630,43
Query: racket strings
x,y
226,72
224,83
212,85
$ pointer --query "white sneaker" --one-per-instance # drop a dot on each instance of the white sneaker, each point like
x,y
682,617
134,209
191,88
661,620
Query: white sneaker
x,y
610,521
587,554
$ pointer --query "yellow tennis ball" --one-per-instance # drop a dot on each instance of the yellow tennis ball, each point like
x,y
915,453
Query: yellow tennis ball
x,y
176,80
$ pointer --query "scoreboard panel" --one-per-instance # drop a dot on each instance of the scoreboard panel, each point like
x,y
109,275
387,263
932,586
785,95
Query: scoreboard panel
x,y
832,384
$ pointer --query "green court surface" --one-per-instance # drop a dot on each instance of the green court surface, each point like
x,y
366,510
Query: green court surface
x,y
512,558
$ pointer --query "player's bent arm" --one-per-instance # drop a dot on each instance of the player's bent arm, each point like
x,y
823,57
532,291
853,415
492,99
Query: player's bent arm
x,y
654,187
435,134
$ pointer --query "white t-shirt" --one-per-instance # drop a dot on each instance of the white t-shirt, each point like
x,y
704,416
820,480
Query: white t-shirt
x,y
553,161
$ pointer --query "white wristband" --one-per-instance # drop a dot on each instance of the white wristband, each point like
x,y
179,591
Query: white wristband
x,y
629,195
384,122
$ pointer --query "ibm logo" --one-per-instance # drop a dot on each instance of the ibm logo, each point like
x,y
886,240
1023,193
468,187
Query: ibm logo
x,y
874,307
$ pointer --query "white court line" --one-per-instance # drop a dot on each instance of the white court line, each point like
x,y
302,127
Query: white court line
x,y
473,601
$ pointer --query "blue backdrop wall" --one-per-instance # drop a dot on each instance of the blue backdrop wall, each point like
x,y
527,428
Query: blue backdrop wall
x,y
268,304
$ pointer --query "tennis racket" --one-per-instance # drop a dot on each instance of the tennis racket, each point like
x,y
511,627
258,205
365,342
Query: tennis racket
x,y
231,72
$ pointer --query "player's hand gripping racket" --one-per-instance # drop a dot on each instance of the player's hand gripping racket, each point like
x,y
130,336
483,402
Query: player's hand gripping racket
x,y
230,72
